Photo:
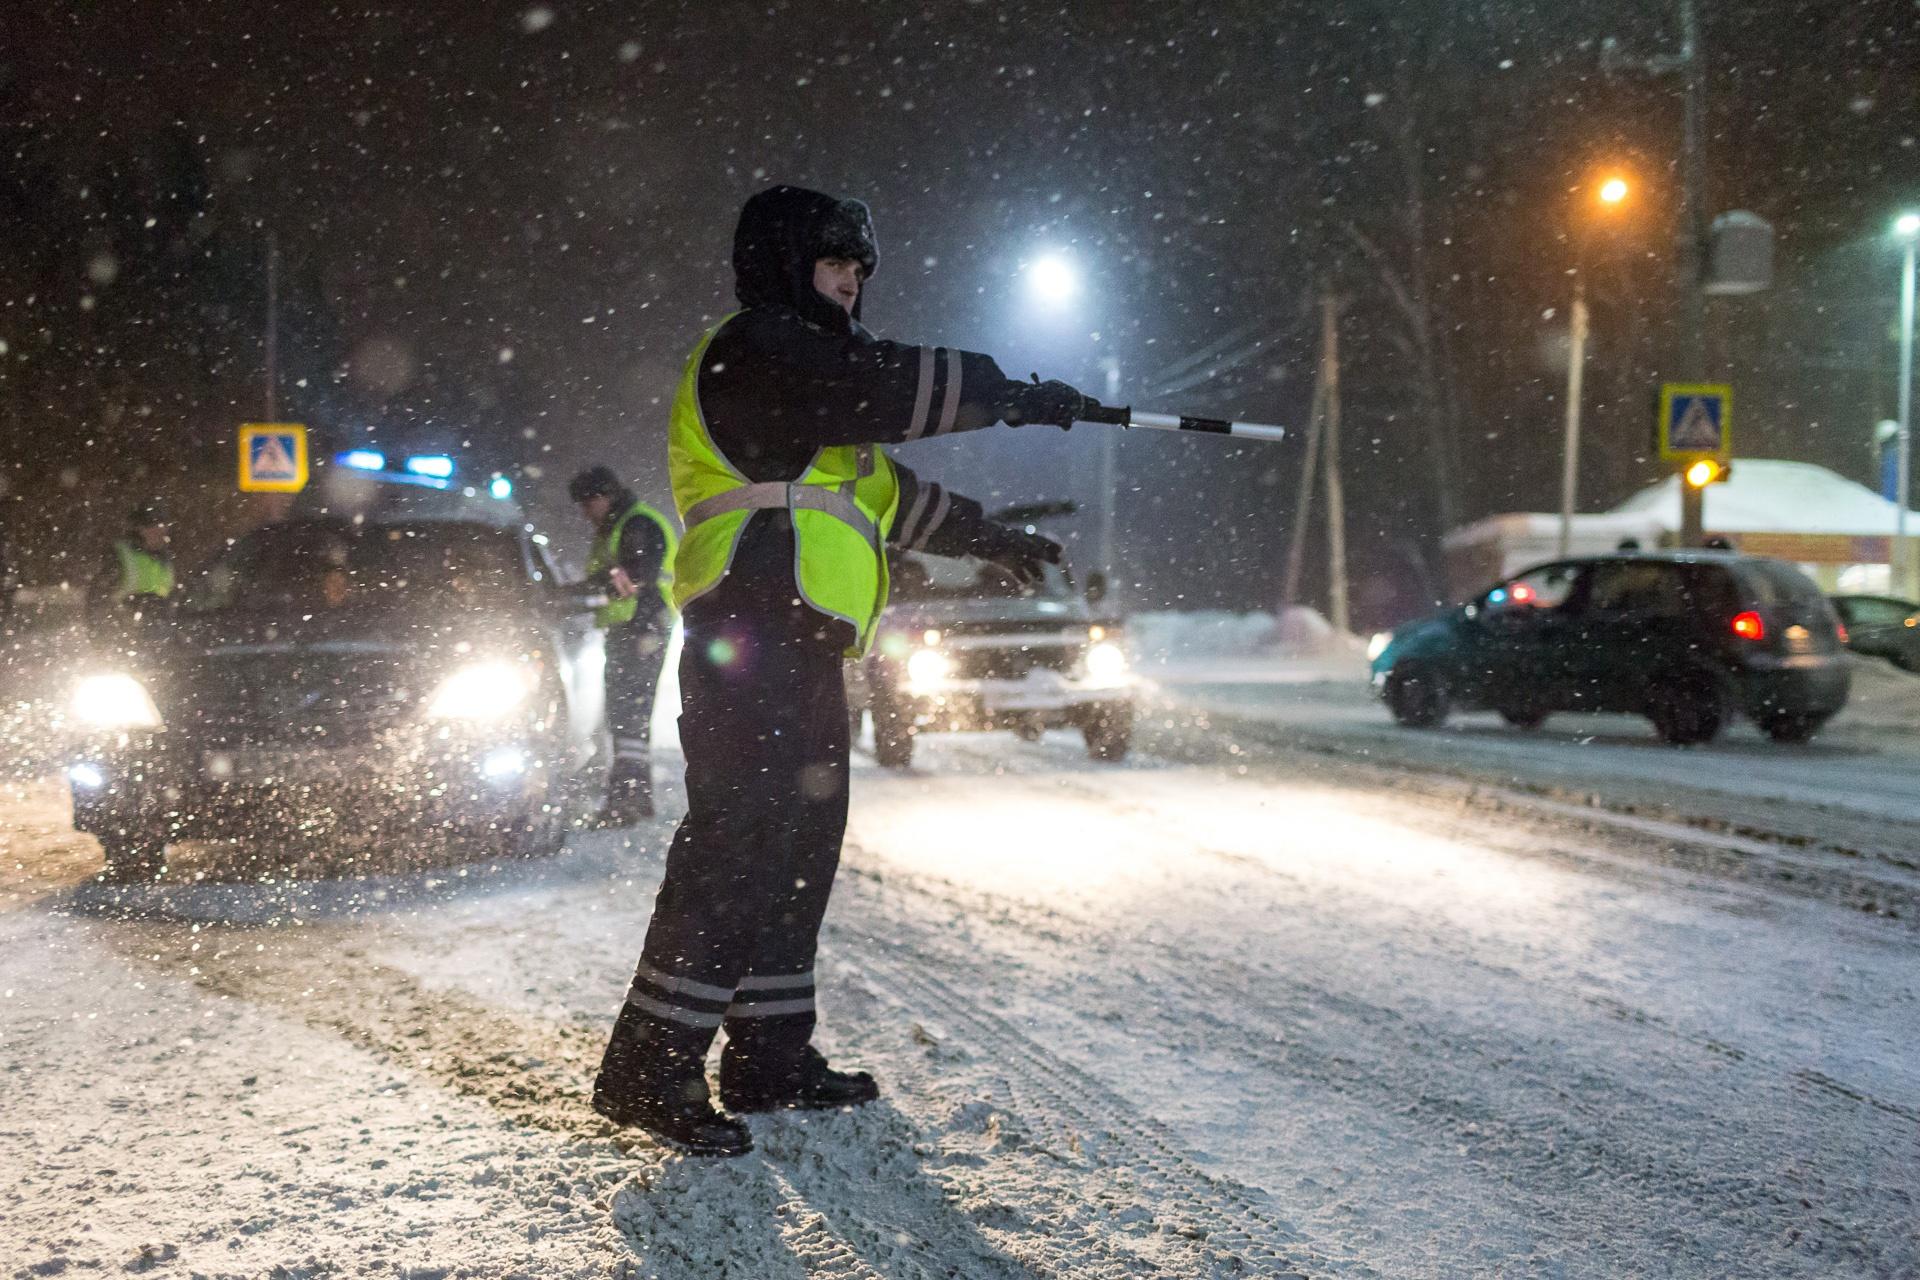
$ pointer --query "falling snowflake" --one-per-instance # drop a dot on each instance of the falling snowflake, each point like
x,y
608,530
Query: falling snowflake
x,y
536,19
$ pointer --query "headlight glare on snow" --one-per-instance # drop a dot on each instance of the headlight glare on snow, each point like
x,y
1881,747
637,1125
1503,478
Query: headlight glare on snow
x,y
928,666
482,691
1378,645
1106,661
114,701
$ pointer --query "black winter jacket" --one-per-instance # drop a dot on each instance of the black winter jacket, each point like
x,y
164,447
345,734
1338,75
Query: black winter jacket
x,y
792,373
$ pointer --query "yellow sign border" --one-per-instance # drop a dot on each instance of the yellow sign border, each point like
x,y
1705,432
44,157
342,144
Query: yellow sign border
x,y
1671,391
249,432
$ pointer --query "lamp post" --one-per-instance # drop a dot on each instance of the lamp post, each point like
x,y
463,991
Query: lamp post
x,y
1612,193
1906,228
1054,282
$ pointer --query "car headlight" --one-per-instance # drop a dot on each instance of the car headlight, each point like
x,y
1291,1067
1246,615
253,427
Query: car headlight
x,y
1106,661
1378,645
482,691
928,666
114,701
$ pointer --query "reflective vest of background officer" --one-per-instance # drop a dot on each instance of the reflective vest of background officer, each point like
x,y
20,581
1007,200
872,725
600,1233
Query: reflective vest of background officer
x,y
137,568
632,562
789,505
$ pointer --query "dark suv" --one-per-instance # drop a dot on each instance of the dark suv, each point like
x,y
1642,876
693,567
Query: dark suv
x,y
395,673
1684,638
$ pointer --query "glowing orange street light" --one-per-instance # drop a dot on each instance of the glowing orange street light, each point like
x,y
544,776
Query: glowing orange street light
x,y
1613,191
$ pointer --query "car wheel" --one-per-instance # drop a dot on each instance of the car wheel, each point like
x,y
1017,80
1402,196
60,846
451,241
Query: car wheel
x,y
1109,732
1793,729
1686,710
135,854
892,738
1524,717
1417,697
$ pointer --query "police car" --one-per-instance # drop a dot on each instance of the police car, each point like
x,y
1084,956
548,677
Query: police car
x,y
963,648
397,656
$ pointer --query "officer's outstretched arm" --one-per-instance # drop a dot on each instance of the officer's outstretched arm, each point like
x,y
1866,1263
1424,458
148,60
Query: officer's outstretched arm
x,y
819,388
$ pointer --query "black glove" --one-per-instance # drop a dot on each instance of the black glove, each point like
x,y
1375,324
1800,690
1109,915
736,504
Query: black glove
x,y
1045,403
1020,555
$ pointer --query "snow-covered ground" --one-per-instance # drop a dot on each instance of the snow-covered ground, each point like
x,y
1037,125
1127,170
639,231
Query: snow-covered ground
x,y
1233,1008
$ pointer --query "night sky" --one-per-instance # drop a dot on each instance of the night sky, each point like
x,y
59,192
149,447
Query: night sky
x,y
502,226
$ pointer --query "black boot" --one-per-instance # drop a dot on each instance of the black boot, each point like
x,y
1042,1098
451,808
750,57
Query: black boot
x,y
653,1077
749,1084
629,795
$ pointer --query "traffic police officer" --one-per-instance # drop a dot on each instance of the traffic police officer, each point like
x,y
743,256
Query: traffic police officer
x,y
632,563
781,574
138,568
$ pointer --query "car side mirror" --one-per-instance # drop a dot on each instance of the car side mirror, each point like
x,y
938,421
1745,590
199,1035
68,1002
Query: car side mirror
x,y
1096,587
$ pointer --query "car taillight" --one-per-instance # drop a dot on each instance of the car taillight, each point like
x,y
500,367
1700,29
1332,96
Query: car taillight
x,y
1749,626
1840,631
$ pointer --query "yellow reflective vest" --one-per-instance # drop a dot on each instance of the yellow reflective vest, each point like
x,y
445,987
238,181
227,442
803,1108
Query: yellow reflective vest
x,y
606,553
842,507
142,574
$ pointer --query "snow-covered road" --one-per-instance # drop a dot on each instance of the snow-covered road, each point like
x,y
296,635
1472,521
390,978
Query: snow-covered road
x,y
1233,1008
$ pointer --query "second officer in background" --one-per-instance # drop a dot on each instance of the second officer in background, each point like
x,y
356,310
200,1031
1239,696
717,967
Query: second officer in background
x,y
632,562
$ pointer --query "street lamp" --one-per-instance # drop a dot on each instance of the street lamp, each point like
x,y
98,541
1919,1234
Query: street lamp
x,y
1053,280
1612,194
1906,228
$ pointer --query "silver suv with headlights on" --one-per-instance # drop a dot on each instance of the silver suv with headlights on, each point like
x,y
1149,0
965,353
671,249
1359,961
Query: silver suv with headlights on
x,y
326,675
962,647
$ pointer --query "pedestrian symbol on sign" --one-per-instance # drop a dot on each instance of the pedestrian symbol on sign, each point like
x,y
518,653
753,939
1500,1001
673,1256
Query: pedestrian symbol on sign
x,y
273,457
1695,421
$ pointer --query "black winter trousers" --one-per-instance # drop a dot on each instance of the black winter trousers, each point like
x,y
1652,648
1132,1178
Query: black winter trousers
x,y
636,652
763,724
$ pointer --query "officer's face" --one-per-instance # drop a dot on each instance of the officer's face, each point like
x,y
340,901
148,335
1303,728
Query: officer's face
x,y
153,537
838,279
595,508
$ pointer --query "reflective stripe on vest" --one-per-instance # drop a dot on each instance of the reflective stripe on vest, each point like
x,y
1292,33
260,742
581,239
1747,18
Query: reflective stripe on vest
x,y
142,574
606,553
841,507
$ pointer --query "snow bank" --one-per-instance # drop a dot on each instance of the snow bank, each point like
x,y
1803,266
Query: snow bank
x,y
1215,645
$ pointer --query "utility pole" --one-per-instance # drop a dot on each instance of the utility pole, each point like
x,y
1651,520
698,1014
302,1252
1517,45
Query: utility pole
x,y
1902,573
1693,244
1303,498
1336,497
273,322
1576,373
1109,474
1690,65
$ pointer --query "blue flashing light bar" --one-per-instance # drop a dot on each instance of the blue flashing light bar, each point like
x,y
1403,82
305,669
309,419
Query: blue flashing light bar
x,y
435,465
500,487
363,459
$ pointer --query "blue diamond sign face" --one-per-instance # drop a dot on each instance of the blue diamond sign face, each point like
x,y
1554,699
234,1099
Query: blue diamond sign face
x,y
273,457
1696,421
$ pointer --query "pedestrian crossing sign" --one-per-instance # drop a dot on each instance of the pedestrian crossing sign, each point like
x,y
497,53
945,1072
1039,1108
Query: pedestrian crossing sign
x,y
273,457
1696,421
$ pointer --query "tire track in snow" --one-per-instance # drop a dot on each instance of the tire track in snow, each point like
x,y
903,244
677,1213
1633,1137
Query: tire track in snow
x,y
1555,1131
1453,828
1077,1109
838,1207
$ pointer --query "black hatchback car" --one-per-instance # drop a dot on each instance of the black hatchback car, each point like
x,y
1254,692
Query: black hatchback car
x,y
1685,638
402,674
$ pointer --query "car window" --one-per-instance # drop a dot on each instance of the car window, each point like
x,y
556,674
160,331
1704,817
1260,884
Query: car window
x,y
333,565
1873,611
941,578
1771,583
1647,588
1548,587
